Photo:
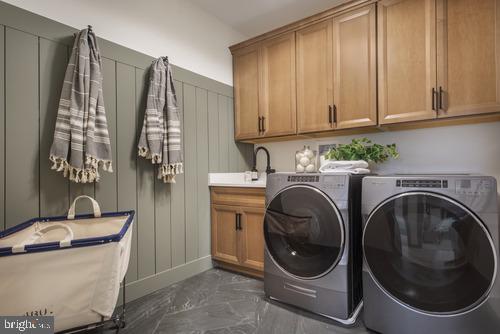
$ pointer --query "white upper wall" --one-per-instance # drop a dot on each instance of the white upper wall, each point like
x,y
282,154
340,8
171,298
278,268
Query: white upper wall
x,y
192,38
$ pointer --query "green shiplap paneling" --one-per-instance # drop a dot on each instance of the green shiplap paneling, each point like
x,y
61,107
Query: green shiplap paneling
x,y
54,189
105,190
145,192
203,195
126,152
223,134
21,131
177,214
163,251
2,128
213,132
233,148
190,167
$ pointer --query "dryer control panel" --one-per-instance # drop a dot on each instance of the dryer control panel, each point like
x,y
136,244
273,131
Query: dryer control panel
x,y
473,186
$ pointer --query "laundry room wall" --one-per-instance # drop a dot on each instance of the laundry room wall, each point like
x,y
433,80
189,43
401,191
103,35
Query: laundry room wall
x,y
171,236
472,148
191,37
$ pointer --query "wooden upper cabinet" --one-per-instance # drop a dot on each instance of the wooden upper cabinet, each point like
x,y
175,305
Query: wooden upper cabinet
x,y
252,238
468,56
314,77
355,72
406,60
246,93
224,234
277,90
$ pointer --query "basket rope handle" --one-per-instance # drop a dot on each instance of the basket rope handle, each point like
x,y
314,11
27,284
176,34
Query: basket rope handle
x,y
95,205
66,242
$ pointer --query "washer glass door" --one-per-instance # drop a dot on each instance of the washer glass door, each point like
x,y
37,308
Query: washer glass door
x,y
303,231
429,252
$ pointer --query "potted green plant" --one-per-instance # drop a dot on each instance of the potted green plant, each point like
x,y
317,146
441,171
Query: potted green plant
x,y
357,155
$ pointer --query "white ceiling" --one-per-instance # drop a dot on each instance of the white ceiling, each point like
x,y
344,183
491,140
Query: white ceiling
x,y
254,17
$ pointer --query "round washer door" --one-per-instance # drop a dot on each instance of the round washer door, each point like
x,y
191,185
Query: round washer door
x,y
430,253
303,232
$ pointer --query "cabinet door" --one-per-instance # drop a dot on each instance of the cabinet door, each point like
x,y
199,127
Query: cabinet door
x,y
314,77
468,56
355,72
406,60
278,102
224,233
252,238
246,93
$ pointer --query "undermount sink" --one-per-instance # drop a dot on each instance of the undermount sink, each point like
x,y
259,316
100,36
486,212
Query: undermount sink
x,y
235,180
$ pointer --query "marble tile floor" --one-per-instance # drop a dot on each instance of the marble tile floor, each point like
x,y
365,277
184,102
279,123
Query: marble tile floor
x,y
222,302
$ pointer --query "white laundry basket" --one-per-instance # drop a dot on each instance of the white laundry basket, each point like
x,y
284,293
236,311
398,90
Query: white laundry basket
x,y
69,267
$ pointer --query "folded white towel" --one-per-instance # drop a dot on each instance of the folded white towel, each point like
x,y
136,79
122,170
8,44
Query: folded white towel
x,y
346,170
346,164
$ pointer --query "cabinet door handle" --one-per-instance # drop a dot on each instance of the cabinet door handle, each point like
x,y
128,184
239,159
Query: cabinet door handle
x,y
236,222
330,114
433,98
441,93
334,114
260,130
263,124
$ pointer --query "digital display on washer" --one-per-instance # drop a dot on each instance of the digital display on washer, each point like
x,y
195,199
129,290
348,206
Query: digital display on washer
x,y
303,178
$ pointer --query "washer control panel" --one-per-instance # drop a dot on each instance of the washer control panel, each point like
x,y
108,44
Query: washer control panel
x,y
472,186
422,183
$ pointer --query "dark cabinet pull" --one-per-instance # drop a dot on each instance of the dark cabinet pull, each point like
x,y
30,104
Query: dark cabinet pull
x,y
441,93
263,124
330,114
238,221
433,98
260,129
334,114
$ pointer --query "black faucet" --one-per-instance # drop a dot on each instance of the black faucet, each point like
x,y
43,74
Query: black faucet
x,y
269,170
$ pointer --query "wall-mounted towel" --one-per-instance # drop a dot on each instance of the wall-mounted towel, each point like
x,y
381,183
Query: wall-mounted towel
x,y
160,138
81,139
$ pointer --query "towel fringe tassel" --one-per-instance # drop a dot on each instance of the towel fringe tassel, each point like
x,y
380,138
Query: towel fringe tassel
x,y
78,175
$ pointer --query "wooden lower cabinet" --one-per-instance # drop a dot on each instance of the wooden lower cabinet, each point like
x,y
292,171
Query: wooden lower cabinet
x,y
237,234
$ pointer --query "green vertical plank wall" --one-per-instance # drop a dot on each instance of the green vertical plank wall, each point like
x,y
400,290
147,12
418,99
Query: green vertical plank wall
x,y
21,128
105,190
126,154
202,156
177,215
54,195
190,167
2,127
213,132
145,192
171,230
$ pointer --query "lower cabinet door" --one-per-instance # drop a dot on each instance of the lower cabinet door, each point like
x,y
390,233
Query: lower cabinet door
x,y
252,238
225,233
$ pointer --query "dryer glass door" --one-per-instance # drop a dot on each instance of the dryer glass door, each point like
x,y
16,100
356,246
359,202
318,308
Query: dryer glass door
x,y
430,253
303,231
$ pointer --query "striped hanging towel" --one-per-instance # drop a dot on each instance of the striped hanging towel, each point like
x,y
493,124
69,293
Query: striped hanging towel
x,y
81,140
160,138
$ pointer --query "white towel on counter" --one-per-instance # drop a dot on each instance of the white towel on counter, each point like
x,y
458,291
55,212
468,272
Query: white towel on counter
x,y
353,167
347,170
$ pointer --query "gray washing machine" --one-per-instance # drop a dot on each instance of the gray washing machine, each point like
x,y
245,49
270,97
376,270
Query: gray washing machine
x,y
312,231
430,247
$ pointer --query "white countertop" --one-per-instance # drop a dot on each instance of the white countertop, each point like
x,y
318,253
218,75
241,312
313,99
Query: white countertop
x,y
235,180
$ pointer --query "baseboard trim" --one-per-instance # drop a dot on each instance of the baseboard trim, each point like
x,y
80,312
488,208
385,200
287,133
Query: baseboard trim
x,y
147,285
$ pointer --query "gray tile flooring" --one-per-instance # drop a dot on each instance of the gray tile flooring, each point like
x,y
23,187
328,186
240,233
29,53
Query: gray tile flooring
x,y
218,301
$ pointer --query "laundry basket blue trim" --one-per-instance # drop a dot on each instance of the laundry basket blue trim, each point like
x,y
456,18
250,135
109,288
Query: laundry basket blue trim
x,y
84,242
